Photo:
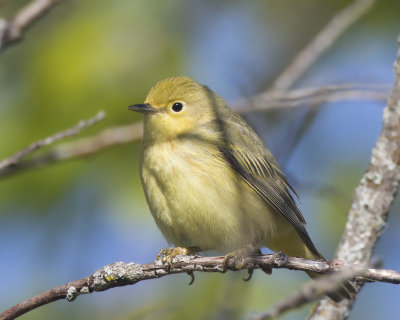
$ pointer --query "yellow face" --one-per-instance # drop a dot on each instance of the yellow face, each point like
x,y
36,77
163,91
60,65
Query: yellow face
x,y
170,118
174,107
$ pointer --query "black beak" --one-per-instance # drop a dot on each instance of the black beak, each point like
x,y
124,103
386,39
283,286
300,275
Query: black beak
x,y
143,108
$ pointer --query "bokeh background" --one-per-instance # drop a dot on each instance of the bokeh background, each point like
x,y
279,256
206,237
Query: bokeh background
x,y
62,222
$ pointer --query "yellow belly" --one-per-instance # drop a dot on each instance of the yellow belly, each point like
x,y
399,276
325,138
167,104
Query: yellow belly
x,y
201,201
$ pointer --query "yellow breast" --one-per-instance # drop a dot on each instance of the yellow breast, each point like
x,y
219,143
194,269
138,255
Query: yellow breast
x,y
197,199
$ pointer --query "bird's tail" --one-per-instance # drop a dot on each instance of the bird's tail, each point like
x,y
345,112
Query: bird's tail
x,y
345,291
302,246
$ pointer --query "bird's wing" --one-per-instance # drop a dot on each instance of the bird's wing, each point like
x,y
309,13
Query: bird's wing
x,y
247,155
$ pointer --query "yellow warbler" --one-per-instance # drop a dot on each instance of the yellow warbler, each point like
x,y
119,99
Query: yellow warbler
x,y
210,182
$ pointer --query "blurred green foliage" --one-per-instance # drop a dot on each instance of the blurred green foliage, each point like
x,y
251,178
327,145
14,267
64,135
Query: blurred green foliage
x,y
75,62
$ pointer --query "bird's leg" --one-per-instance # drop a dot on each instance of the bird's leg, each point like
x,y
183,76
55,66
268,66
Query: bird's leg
x,y
166,255
239,257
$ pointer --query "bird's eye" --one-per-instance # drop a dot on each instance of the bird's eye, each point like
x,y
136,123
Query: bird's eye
x,y
177,106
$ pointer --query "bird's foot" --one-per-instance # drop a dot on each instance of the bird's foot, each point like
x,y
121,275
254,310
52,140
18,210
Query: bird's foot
x,y
239,259
239,256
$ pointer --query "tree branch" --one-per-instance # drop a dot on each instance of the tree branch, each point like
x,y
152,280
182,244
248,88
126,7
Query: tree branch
x,y
12,31
372,200
309,292
80,148
83,124
312,96
121,274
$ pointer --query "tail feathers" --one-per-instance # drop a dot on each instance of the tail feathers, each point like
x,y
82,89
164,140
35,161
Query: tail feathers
x,y
345,291
296,248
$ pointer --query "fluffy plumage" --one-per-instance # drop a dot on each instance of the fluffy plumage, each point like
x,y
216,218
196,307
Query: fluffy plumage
x,y
208,178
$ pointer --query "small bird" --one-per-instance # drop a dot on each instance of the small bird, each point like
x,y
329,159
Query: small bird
x,y
210,182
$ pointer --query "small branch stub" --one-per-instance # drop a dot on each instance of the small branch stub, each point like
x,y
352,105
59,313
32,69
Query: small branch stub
x,y
72,294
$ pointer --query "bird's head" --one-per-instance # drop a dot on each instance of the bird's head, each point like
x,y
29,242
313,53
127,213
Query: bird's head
x,y
178,106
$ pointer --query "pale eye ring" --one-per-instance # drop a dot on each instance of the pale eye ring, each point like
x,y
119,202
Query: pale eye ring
x,y
177,107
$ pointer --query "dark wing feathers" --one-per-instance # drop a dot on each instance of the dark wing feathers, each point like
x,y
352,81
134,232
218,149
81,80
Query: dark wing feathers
x,y
249,157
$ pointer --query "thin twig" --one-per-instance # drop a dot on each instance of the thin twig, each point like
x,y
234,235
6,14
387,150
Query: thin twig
x,y
121,274
373,198
323,41
313,96
83,124
309,292
12,31
307,57
129,133
80,148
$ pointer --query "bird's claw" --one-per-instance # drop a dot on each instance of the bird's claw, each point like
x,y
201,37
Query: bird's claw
x,y
249,275
191,274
